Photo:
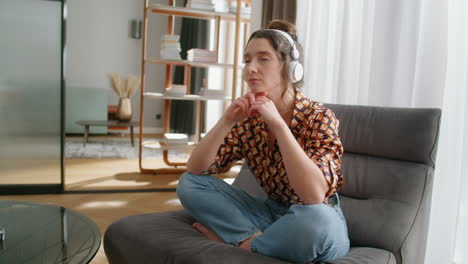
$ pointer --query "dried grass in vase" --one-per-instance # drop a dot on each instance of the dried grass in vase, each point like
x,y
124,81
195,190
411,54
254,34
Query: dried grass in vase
x,y
125,89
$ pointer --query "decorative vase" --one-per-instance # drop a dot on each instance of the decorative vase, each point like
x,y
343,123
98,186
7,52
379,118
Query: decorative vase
x,y
124,110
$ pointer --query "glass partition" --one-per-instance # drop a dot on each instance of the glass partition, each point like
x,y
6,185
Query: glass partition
x,y
30,93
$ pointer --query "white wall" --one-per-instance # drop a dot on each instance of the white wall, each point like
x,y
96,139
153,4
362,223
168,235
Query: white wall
x,y
99,42
256,21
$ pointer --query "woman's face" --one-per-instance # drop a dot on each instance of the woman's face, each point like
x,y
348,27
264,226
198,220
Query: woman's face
x,y
263,69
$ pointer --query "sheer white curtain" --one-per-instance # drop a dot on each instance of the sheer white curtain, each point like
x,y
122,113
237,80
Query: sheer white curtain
x,y
372,52
448,237
405,54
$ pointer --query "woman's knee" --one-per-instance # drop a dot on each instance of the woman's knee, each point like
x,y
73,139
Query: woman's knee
x,y
185,184
190,185
312,232
328,233
320,221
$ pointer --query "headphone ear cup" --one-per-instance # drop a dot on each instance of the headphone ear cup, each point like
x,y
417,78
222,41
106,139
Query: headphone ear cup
x,y
296,71
295,53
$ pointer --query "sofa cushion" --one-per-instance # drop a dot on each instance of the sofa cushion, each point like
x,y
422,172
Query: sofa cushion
x,y
365,255
389,132
168,237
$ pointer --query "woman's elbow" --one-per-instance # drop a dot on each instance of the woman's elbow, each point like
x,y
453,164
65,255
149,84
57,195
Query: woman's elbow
x,y
193,169
193,164
315,198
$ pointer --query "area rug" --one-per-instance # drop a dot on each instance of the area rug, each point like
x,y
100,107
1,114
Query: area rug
x,y
103,148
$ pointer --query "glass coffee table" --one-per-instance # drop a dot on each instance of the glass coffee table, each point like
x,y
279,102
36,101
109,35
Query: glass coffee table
x,y
42,233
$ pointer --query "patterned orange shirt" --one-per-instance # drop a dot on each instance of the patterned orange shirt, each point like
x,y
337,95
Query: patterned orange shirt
x,y
315,129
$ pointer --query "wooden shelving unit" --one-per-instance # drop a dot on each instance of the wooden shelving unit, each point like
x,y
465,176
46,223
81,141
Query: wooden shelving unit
x,y
171,11
192,63
188,97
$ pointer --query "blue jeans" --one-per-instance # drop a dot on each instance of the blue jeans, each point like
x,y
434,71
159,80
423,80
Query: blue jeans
x,y
295,233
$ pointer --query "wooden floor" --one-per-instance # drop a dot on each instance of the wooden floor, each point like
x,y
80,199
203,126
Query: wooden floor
x,y
111,174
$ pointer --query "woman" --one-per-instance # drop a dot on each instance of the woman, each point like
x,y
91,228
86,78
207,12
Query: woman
x,y
290,144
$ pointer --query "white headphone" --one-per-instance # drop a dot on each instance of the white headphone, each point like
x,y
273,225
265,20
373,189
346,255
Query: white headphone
x,y
296,70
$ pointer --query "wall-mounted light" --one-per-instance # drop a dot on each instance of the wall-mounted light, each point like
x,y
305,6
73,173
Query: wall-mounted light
x,y
135,29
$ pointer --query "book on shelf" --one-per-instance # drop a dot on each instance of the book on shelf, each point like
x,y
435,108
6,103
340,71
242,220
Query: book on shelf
x,y
170,47
170,38
175,138
170,54
221,6
202,52
201,4
202,55
245,11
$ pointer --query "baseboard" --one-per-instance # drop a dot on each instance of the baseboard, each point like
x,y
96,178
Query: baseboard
x,y
16,189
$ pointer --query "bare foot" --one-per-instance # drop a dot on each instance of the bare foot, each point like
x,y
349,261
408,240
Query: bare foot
x,y
246,243
210,234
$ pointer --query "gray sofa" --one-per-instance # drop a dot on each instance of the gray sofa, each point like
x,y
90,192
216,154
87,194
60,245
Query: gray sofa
x,y
388,166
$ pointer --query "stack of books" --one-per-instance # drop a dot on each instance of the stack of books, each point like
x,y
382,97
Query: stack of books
x,y
170,47
175,138
202,55
201,4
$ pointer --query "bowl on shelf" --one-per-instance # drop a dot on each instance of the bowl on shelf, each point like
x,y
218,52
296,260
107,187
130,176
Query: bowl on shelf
x,y
176,89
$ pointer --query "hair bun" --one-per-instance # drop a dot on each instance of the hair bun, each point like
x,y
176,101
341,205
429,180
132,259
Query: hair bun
x,y
284,26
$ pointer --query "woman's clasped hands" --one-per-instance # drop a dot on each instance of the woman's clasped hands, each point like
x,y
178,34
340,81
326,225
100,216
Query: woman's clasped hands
x,y
253,105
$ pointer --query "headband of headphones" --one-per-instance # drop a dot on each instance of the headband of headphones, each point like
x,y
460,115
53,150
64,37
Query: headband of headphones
x,y
294,52
296,71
